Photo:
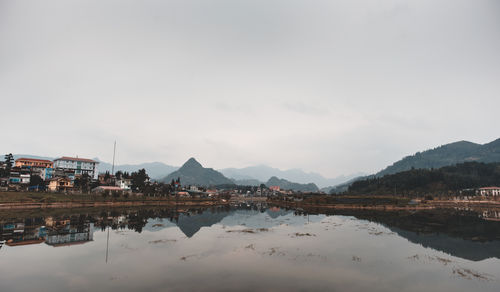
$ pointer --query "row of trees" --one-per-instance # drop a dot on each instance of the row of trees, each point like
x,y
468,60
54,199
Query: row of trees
x,y
443,181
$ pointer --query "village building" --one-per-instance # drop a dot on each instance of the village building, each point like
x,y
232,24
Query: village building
x,y
124,184
32,162
41,167
489,191
78,165
19,175
60,184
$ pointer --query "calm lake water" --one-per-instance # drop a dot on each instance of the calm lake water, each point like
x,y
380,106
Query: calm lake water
x,y
248,249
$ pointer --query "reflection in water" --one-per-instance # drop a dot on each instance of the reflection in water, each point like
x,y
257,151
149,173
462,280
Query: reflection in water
x,y
468,234
461,233
252,247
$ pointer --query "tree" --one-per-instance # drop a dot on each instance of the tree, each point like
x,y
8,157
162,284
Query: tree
x,y
139,180
36,180
83,182
9,161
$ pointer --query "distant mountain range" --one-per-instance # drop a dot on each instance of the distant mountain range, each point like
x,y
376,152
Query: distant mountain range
x,y
155,170
449,154
288,185
262,173
193,173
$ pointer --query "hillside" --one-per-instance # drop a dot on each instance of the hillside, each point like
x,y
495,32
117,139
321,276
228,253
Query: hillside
x,y
449,154
193,173
442,181
287,185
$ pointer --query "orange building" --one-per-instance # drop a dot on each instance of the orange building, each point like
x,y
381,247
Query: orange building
x,y
32,162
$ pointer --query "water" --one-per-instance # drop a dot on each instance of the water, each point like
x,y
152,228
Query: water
x,y
270,249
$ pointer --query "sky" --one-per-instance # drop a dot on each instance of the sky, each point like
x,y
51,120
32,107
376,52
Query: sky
x,y
335,87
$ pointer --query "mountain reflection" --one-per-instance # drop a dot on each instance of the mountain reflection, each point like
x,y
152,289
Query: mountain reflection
x,y
462,233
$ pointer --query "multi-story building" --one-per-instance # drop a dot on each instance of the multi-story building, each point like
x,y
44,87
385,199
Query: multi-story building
x,y
40,167
31,162
78,165
20,175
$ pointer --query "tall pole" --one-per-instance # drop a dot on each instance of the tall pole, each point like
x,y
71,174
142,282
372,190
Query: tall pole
x,y
113,167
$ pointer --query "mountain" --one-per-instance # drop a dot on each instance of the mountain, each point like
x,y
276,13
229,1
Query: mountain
x,y
247,182
449,154
263,173
193,173
288,185
155,170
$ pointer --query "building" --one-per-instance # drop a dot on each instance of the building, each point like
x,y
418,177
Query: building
x,y
78,165
40,167
60,184
20,175
124,184
275,188
31,162
489,191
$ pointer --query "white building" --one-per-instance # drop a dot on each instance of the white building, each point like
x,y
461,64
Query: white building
x,y
124,183
78,165
489,191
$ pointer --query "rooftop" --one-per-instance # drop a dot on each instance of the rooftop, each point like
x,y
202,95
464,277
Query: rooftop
x,y
76,159
33,159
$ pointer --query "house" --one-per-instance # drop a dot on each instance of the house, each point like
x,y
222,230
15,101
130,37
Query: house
x,y
78,165
60,184
124,184
489,191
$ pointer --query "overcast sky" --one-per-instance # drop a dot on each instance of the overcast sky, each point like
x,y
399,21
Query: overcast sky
x,y
335,87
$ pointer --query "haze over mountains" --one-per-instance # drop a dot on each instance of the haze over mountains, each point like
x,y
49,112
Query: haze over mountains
x,y
194,173
263,173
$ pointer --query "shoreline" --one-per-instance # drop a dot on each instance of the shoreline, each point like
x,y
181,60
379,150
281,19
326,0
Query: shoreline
x,y
86,204
390,207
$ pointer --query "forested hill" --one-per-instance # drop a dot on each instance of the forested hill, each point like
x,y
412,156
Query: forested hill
x,y
444,180
449,154
288,185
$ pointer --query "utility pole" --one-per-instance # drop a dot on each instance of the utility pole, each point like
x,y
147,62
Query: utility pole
x,y
113,166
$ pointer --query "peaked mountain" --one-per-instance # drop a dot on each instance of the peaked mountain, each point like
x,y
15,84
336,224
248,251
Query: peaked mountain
x,y
446,155
288,185
193,173
263,173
